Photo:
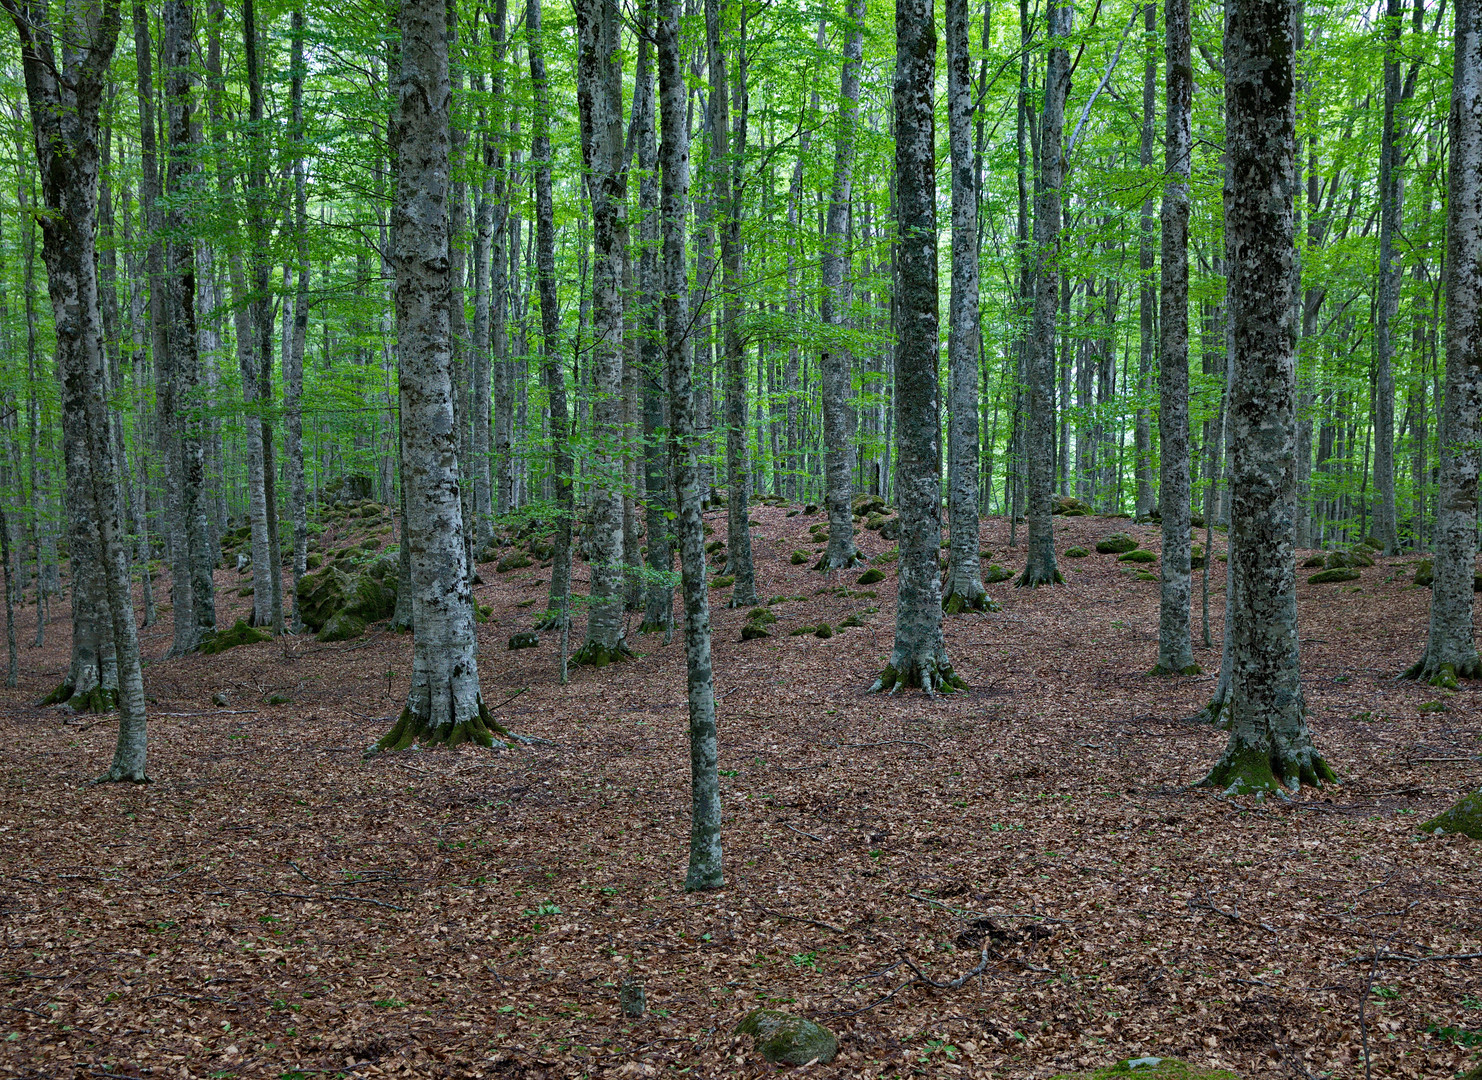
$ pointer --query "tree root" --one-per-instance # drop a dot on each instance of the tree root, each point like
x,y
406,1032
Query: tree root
x,y
1033,579
118,775
97,700
932,677
955,603
551,620
594,655
1164,672
1249,771
825,566
416,731
1444,676
654,627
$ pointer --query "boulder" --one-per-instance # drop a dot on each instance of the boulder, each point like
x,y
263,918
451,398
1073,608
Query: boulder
x,y
1137,555
1069,507
891,530
239,634
823,630
798,558
516,561
1313,562
1360,556
875,522
785,1039
1338,560
870,576
525,639
1425,573
1076,553
1196,557
1464,817
322,594
1116,544
752,631
342,626
995,573
1338,573
862,505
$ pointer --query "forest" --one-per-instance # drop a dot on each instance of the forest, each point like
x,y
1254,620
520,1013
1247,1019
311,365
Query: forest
x,y
711,537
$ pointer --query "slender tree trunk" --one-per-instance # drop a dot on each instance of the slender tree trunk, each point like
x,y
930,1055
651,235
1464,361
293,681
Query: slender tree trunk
x,y
964,589
705,850
293,370
443,704
833,364
1039,445
1269,745
919,654
1175,647
1451,650
64,88
1142,465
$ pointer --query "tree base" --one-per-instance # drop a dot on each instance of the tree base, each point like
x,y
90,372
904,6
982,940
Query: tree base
x,y
932,676
97,700
702,879
654,627
591,654
743,601
1033,578
1249,771
1444,676
415,731
955,603
827,563
118,774
1159,671
551,620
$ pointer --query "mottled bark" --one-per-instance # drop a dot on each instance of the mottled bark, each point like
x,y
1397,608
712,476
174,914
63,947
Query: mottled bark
x,y
833,364
919,654
1039,360
293,370
705,820
1451,650
1175,647
443,703
599,97
1142,436
1269,746
964,589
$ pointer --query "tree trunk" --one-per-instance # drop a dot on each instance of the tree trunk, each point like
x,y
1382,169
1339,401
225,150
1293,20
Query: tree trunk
x,y
293,370
443,703
599,96
1039,444
919,655
1269,745
1175,647
964,589
63,90
1142,436
705,851
833,364
1451,650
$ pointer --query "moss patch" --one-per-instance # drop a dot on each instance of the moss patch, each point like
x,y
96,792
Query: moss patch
x,y
1464,817
1155,1068
1076,553
1341,573
1116,544
995,573
798,558
870,576
239,634
1137,555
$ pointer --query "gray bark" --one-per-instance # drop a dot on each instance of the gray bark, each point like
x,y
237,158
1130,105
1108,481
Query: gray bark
x,y
293,370
705,848
1269,746
1142,437
919,654
1039,436
1175,648
1451,650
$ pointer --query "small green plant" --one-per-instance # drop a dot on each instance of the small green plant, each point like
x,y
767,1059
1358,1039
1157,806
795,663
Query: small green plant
x,y
1388,993
805,960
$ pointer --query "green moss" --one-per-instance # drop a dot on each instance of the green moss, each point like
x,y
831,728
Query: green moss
x,y
760,616
1313,562
1154,1068
1076,553
239,634
885,558
786,1039
850,620
870,576
823,630
593,655
1464,817
752,631
517,561
798,558
801,631
995,574
342,626
1137,555
1143,575
1116,544
724,581
1336,574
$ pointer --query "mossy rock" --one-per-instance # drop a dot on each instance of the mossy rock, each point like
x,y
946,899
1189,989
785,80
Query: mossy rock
x,y
1137,555
811,508
1153,1068
1067,506
1076,553
525,639
850,620
862,505
1337,560
247,590
322,594
517,561
313,562
798,558
1116,544
1143,575
724,581
875,522
823,630
715,546
752,631
760,616
342,626
1340,573
870,576
995,573
1425,573
885,558
541,550
239,634
1464,817
482,613
1313,562
985,555
891,530
1196,557
371,599
370,544
801,631
784,1039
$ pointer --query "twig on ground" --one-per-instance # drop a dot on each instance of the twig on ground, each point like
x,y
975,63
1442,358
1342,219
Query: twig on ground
x,y
800,832
800,919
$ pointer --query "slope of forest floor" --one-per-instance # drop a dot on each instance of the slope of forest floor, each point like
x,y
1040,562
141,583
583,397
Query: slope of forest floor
x,y
272,905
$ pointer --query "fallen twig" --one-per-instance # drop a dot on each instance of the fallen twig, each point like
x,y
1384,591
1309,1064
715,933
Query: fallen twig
x,y
799,918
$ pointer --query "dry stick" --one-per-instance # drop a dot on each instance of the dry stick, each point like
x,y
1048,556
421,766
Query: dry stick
x,y
919,977
800,919
800,832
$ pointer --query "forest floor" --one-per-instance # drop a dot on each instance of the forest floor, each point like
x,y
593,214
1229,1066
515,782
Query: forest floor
x,y
274,906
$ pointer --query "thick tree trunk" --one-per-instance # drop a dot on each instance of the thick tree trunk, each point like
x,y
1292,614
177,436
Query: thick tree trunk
x,y
1142,435
1451,650
1175,647
63,89
833,364
919,655
443,704
599,96
558,614
1269,746
964,589
705,850
1039,444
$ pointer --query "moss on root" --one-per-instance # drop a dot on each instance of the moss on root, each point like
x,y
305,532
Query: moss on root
x,y
932,678
97,700
653,627
415,731
1031,579
550,620
1166,672
1249,771
1444,676
594,655
955,603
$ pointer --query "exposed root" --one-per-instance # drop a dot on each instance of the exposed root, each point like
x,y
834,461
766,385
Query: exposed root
x,y
1444,676
99,699
931,676
825,565
1033,579
1247,771
415,731
955,603
551,620
654,627
119,775
592,654
1165,672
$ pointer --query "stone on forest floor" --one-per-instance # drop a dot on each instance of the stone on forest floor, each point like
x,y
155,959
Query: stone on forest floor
x,y
1076,553
1154,1068
724,581
1069,507
995,573
850,620
1313,561
525,639
760,616
891,530
517,561
1143,575
798,558
1464,817
823,630
875,522
1137,555
1326,577
342,626
752,631
862,505
811,508
1116,544
801,631
239,634
784,1039
1196,557
870,576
